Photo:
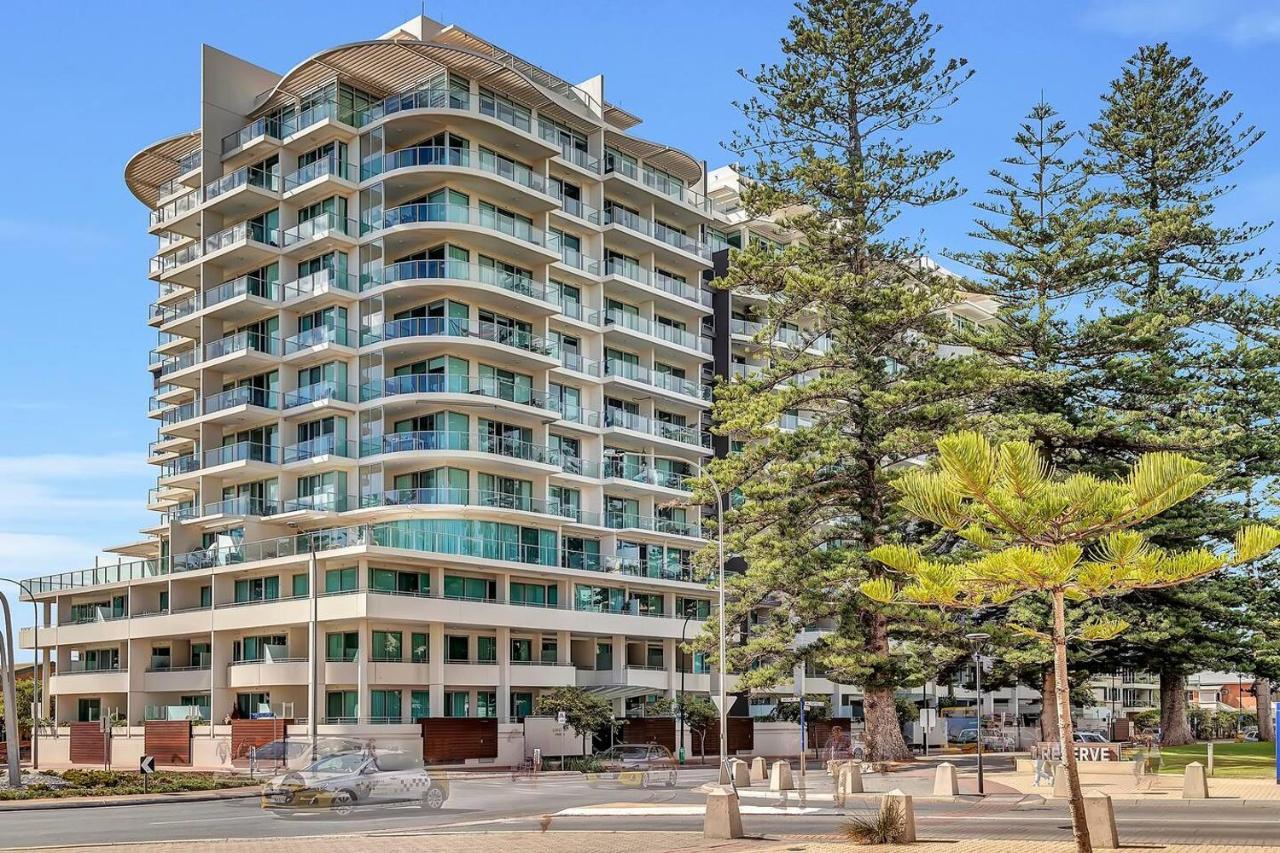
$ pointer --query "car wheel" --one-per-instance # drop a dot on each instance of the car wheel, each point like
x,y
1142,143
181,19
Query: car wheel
x,y
671,780
342,803
433,799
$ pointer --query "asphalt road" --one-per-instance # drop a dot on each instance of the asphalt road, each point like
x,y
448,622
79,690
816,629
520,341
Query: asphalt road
x,y
501,804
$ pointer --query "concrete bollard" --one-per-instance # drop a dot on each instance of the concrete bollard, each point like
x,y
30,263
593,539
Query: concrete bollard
x,y
780,777
848,781
1100,818
723,818
903,802
1061,787
759,770
740,772
945,781
1195,785
724,773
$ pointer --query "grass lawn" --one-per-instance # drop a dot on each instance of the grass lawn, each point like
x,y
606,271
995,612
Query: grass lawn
x,y
107,783
1230,760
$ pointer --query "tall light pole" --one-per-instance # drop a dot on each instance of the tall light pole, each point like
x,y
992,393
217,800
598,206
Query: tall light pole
x,y
724,731
683,629
24,586
8,681
977,640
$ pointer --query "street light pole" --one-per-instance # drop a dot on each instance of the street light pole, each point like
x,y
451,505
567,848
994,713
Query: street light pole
x,y
39,669
683,629
724,733
977,639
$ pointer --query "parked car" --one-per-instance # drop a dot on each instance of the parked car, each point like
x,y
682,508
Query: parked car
x,y
1250,733
1090,737
635,765
295,753
340,783
991,741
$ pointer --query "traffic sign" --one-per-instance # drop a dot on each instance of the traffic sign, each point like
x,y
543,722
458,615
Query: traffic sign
x,y
147,764
715,697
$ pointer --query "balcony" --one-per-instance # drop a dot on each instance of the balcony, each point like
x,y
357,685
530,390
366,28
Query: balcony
x,y
569,153
318,342
408,330
639,185
320,288
244,406
320,393
318,449
520,291
179,216
246,243
618,419
256,137
578,263
253,347
76,677
630,521
667,333
624,474
318,180
463,389
239,507
492,232
179,266
462,443
643,284
243,193
640,235
409,115
403,171
790,338
324,233
683,389
244,453
257,673
579,210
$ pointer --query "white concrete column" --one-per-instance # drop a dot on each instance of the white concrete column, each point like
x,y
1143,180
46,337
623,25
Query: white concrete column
x,y
564,647
364,649
503,640
435,658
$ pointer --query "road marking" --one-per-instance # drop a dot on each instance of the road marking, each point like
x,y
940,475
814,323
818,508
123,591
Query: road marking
x,y
677,811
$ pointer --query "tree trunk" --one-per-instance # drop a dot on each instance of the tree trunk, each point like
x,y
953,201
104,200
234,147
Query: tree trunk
x,y
1174,728
883,731
1048,706
1266,720
1066,731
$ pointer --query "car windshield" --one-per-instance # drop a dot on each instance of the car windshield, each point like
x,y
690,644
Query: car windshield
x,y
345,763
630,753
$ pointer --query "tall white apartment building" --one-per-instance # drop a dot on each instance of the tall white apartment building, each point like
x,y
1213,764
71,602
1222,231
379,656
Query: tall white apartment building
x,y
434,358
429,379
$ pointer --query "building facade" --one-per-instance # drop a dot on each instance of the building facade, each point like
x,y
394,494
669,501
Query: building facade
x,y
430,376
434,361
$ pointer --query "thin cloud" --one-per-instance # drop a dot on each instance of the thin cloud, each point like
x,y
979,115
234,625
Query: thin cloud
x,y
1242,23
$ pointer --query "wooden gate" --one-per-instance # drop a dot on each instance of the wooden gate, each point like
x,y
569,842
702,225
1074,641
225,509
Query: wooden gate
x,y
659,730
89,745
452,740
168,741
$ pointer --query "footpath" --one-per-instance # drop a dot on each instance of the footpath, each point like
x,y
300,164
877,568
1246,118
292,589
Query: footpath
x,y
612,842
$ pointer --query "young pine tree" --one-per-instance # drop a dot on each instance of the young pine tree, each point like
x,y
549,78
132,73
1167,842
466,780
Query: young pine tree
x,y
827,151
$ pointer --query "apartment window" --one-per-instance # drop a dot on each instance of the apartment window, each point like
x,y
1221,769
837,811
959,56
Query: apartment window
x,y
647,604
257,589
341,705
419,649
604,656
419,704
535,594
457,648
253,704
88,710
486,649
457,704
616,161
201,654
521,651
403,583
470,589
550,651
580,553
386,647
600,599
206,596
521,704
341,580
698,608
300,585
504,109
341,646
384,705
486,703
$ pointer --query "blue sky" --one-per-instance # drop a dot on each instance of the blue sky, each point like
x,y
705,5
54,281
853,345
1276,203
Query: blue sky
x,y
91,83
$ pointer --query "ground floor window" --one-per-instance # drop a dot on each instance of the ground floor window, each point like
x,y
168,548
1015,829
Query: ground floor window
x,y
89,710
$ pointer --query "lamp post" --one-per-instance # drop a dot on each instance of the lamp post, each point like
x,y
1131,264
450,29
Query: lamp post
x,y
25,587
977,640
724,733
683,629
